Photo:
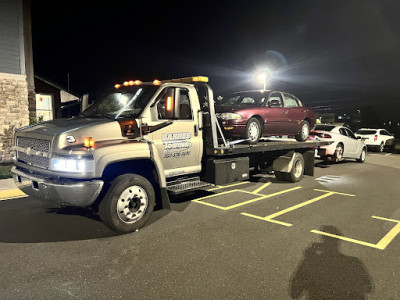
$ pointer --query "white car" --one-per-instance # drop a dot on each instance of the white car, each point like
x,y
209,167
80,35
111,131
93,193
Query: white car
x,y
377,139
345,144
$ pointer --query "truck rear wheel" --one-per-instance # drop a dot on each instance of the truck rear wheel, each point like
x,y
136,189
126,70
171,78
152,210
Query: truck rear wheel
x,y
128,204
280,176
297,172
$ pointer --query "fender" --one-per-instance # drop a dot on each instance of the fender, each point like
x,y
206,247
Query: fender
x,y
120,152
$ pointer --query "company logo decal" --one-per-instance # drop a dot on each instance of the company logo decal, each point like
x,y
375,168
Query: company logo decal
x,y
176,144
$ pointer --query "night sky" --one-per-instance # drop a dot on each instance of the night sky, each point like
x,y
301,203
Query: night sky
x,y
336,54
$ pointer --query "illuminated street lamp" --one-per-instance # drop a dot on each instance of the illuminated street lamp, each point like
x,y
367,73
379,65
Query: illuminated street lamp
x,y
264,77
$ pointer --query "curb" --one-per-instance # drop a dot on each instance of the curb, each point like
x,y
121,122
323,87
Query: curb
x,y
7,184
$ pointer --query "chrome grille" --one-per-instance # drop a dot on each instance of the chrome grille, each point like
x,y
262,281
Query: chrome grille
x,y
36,145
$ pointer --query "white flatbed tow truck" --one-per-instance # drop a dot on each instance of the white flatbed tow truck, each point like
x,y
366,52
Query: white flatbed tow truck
x,y
142,142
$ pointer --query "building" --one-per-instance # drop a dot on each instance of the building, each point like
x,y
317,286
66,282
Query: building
x,y
54,101
326,118
17,95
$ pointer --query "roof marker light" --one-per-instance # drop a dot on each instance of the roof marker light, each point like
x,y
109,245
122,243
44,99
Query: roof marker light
x,y
131,82
137,82
117,86
126,83
156,82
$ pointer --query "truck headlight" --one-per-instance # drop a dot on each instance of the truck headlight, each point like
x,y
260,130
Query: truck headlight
x,y
229,116
72,164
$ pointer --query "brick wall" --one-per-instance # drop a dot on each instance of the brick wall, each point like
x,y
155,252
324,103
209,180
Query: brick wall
x,y
13,110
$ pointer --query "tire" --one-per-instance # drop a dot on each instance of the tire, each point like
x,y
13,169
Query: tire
x,y
338,156
253,130
362,156
304,132
381,147
297,172
280,176
128,204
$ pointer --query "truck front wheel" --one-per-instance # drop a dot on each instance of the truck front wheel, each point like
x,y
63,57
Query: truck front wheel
x,y
128,204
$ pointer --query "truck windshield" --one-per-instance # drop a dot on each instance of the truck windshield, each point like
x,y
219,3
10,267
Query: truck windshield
x,y
125,103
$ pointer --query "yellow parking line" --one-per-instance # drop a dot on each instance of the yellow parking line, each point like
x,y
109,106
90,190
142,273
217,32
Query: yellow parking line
x,y
261,187
10,194
219,187
337,193
200,200
381,245
270,218
388,238
345,238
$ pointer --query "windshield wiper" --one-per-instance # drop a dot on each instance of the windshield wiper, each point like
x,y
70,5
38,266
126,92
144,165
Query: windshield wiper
x,y
131,115
99,115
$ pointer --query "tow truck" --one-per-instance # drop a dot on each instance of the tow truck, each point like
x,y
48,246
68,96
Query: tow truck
x,y
140,144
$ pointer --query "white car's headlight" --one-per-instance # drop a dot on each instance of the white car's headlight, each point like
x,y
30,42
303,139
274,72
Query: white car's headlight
x,y
72,164
229,116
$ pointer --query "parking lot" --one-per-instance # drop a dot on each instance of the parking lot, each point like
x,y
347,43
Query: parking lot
x,y
263,239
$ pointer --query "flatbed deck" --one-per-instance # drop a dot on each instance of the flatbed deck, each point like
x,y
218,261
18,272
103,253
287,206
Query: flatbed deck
x,y
264,146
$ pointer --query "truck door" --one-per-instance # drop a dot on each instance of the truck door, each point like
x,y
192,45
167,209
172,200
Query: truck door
x,y
180,143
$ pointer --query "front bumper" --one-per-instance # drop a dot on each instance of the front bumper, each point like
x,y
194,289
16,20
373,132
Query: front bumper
x,y
372,144
58,191
233,128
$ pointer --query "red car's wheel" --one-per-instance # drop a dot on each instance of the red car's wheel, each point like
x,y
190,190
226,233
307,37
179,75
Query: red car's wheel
x,y
304,132
253,130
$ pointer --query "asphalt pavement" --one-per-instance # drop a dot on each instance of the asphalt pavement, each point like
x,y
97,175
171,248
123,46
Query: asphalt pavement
x,y
332,234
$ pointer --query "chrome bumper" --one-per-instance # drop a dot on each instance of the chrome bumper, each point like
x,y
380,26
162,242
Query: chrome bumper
x,y
61,192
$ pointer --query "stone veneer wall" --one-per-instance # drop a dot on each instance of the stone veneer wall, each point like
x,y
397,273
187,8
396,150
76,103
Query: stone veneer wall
x,y
14,111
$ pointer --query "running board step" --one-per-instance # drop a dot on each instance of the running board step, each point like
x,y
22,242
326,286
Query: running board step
x,y
185,185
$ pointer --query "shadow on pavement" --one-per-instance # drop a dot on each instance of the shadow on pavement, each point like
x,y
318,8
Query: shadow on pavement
x,y
30,221
328,164
27,220
325,273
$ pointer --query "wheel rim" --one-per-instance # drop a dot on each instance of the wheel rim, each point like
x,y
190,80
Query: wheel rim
x,y
305,131
381,147
363,155
253,131
339,152
132,204
298,169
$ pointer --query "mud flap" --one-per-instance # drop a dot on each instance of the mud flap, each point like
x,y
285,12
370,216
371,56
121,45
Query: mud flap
x,y
309,161
165,203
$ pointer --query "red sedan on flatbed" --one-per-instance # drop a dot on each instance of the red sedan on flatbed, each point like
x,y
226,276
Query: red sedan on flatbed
x,y
253,114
